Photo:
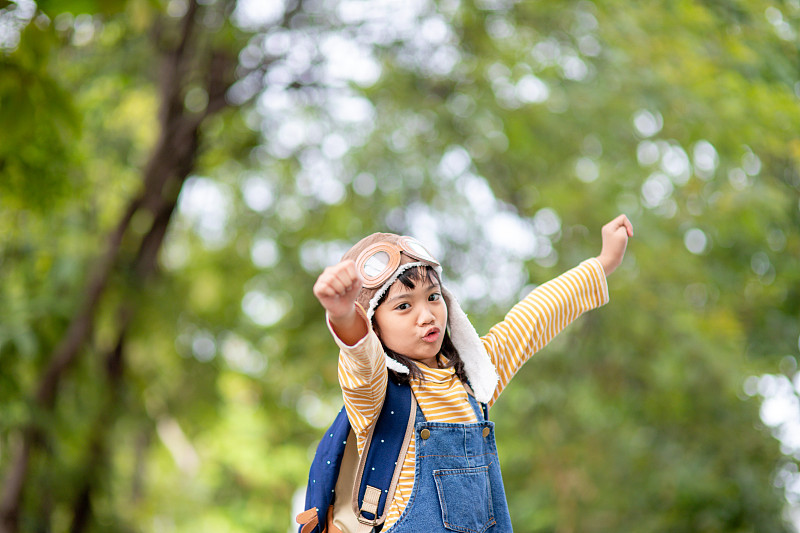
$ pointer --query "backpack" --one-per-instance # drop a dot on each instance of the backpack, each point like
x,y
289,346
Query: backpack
x,y
348,494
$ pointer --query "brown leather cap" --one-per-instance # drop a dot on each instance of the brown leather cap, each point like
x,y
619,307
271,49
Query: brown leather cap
x,y
366,295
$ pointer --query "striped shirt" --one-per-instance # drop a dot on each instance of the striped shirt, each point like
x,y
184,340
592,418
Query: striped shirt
x,y
528,327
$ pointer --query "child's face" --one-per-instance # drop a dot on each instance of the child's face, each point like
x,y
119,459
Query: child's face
x,y
412,322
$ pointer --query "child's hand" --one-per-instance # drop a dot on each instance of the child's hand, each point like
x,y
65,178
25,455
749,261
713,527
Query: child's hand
x,y
337,288
615,240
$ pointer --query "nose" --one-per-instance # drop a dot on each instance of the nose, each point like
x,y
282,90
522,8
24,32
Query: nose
x,y
425,315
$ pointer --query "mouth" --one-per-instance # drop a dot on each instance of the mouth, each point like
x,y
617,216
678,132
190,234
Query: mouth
x,y
432,335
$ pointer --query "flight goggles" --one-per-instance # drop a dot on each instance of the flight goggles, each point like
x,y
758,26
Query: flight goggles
x,y
378,262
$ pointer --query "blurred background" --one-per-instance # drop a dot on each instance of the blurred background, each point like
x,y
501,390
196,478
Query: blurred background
x,y
174,174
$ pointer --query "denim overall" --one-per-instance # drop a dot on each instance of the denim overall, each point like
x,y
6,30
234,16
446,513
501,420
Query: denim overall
x,y
457,483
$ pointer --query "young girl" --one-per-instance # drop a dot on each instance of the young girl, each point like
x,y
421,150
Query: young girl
x,y
387,309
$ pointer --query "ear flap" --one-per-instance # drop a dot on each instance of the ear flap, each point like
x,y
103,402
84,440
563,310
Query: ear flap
x,y
478,366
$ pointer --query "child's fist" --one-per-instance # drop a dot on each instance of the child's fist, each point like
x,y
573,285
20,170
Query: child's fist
x,y
615,240
337,288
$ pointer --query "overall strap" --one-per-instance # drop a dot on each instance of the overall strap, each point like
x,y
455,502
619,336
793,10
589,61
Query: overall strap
x,y
384,452
484,409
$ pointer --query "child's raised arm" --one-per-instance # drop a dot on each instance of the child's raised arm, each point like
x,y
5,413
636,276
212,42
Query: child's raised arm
x,y
337,289
615,240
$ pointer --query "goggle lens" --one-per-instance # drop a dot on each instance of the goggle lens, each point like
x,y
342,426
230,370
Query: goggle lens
x,y
416,248
376,264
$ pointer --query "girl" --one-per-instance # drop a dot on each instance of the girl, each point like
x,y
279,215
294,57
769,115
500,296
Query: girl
x,y
393,319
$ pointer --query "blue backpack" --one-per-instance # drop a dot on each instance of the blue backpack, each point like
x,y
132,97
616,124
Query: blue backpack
x,y
346,493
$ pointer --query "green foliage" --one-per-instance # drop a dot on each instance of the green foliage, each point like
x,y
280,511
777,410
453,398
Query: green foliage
x,y
37,158
76,7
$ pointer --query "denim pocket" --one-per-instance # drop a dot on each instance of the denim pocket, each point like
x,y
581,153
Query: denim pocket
x,y
465,495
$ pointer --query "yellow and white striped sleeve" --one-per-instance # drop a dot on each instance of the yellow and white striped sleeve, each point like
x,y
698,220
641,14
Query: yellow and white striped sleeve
x,y
362,377
542,314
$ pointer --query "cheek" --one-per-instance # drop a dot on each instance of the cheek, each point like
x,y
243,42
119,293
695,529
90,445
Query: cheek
x,y
384,328
377,323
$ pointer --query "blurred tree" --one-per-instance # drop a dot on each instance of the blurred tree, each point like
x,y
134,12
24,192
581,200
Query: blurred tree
x,y
191,62
174,175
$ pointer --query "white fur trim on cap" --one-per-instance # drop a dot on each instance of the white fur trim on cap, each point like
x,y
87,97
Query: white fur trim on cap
x,y
397,366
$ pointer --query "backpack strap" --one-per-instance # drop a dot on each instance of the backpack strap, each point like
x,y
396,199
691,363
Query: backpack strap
x,y
383,456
